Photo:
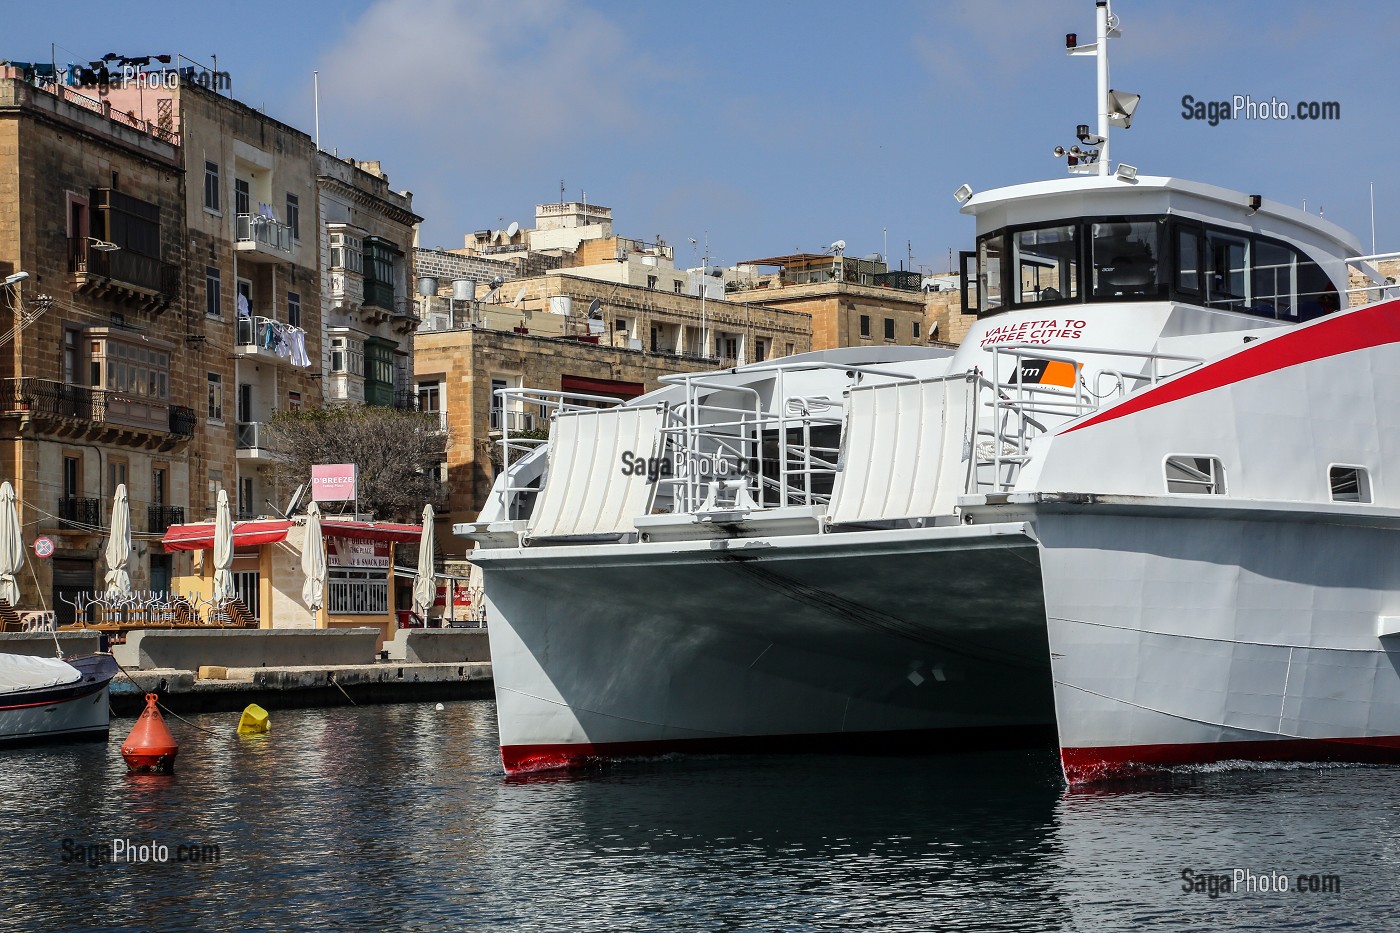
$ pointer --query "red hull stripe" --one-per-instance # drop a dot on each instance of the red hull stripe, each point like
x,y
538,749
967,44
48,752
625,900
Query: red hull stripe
x,y
520,759
1328,336
1087,765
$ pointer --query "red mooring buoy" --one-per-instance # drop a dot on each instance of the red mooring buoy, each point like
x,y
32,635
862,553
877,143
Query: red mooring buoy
x,y
150,747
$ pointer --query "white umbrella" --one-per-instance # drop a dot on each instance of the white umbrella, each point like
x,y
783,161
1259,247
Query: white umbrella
x,y
313,560
223,551
425,587
11,545
118,552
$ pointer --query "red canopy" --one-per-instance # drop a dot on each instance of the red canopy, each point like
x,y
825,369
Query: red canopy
x,y
372,531
200,537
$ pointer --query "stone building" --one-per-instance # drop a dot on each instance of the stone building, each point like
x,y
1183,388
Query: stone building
x,y
852,302
368,319
98,383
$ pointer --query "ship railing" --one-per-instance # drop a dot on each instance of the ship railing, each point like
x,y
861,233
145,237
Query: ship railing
x,y
516,444
700,431
1020,410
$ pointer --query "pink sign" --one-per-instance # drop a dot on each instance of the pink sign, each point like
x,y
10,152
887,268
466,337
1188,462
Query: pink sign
x,y
333,482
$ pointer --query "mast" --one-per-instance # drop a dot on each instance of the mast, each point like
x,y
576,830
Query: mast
x,y
1101,59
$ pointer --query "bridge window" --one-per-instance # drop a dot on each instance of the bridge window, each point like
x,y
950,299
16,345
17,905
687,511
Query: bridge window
x,y
1047,264
1127,259
990,250
1273,280
1227,271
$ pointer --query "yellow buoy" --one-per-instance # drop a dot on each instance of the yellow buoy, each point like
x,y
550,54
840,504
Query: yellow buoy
x,y
254,721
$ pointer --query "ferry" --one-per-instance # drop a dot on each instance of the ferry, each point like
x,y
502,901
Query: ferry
x,y
1143,509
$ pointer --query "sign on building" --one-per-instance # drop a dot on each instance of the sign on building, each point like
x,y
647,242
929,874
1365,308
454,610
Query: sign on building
x,y
334,482
358,553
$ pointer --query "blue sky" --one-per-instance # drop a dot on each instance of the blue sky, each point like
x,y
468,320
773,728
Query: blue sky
x,y
776,127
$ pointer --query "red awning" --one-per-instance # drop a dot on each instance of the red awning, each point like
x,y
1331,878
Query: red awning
x,y
613,387
200,537
372,531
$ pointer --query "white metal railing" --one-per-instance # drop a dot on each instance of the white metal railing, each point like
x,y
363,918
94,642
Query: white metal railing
x,y
548,400
1020,409
357,597
255,228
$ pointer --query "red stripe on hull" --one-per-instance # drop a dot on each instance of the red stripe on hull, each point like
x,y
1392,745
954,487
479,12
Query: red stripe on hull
x,y
1088,765
1328,336
524,759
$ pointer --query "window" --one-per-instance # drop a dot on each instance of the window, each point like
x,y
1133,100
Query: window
x,y
1349,484
72,477
347,356
216,397
1188,260
1200,475
789,350
211,186
293,401
916,330
651,281
72,355
1126,259
159,484
865,325
1273,280
242,196
216,482
116,474
357,592
294,215
130,369
246,507
294,309
244,289
676,286
889,328
1046,262
379,256
990,249
212,290
760,350
345,252
1227,266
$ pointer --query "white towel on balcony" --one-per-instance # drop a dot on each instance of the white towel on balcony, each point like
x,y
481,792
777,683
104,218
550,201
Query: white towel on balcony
x,y
244,310
295,339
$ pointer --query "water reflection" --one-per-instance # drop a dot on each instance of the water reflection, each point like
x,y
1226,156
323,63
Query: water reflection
x,y
398,817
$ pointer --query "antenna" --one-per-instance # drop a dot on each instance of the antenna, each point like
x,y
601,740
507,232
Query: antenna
x,y
837,248
1115,108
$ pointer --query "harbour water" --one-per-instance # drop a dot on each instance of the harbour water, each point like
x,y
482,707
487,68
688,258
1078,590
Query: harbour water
x,y
398,818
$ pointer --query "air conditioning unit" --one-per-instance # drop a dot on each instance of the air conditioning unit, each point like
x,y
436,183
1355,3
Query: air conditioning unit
x,y
441,322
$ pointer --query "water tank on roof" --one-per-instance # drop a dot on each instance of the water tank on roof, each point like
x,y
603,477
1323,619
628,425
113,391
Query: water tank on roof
x,y
561,304
427,285
463,289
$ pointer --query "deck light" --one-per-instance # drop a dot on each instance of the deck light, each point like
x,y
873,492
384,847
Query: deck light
x,y
963,193
1126,172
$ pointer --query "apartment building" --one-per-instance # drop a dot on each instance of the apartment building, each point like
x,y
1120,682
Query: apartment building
x,y
98,384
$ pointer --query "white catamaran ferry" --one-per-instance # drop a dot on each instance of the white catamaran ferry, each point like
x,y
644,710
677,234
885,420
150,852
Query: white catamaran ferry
x,y
1147,505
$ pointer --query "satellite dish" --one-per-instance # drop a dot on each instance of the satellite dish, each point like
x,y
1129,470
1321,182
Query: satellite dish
x,y
872,257
838,247
512,230
519,297
595,308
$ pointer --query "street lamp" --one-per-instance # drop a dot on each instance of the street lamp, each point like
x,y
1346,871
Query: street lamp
x,y
17,277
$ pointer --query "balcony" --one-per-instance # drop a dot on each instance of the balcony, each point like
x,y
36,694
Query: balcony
x,y
262,239
123,276
379,295
79,514
254,442
261,337
79,411
514,420
347,289
161,517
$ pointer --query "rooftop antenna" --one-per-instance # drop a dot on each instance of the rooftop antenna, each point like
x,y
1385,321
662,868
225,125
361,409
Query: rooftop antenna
x,y
316,93
561,191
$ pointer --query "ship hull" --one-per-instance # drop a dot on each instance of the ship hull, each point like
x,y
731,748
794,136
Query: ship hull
x,y
1220,635
69,712
921,641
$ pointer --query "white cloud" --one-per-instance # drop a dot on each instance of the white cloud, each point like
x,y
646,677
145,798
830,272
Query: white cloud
x,y
465,79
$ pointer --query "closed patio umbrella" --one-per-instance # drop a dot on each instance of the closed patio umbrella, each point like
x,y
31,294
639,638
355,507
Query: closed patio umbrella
x,y
117,554
11,545
223,551
313,560
425,587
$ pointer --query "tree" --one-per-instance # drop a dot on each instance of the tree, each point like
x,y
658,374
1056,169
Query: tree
x,y
397,452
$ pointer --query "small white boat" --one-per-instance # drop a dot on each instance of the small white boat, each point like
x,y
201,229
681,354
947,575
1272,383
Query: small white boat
x,y
51,700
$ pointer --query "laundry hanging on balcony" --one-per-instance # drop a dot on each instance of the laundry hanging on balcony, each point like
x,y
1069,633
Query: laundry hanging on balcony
x,y
244,309
286,341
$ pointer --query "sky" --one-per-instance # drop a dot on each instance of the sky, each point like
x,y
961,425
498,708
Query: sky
x,y
767,128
